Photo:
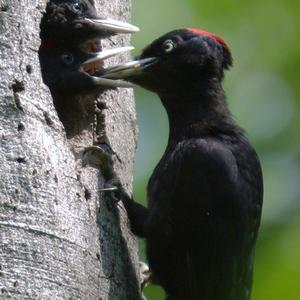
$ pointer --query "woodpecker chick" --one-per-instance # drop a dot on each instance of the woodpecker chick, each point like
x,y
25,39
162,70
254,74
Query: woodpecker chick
x,y
76,20
205,194
71,71
70,46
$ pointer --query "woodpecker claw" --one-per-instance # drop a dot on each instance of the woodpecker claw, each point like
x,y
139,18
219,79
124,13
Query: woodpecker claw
x,y
109,189
97,156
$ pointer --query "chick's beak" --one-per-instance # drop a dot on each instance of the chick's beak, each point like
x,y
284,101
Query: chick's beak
x,y
95,65
110,25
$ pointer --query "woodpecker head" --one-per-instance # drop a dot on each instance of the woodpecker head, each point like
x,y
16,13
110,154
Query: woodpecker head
x,y
72,71
178,60
77,19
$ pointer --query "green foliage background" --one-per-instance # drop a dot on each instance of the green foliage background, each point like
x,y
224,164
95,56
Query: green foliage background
x,y
263,92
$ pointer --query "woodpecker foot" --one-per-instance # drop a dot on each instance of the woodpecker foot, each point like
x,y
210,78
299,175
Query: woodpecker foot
x,y
114,187
100,155
145,274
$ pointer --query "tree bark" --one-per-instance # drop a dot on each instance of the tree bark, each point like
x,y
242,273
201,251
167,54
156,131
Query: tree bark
x,y
60,237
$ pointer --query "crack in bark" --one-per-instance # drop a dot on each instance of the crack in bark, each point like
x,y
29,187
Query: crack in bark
x,y
38,231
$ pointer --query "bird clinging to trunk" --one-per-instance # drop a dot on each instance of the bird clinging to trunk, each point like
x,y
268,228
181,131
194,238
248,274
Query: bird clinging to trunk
x,y
205,194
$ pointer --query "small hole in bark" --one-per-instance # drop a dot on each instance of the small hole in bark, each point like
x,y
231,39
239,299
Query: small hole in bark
x,y
48,120
21,127
4,7
21,160
55,179
98,256
16,283
18,86
34,172
29,69
101,105
87,194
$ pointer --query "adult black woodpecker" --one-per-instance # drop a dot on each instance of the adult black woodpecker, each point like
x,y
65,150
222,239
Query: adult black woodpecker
x,y
205,195
70,44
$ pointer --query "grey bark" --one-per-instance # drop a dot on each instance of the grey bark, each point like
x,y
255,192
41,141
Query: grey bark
x,y
60,237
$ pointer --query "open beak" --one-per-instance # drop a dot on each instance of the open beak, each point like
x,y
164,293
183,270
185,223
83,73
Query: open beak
x,y
110,25
95,65
129,69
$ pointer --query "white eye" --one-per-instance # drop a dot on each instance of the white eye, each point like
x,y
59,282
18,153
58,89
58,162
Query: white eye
x,y
67,58
168,46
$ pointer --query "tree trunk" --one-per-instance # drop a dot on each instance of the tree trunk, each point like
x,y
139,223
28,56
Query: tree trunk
x,y
60,237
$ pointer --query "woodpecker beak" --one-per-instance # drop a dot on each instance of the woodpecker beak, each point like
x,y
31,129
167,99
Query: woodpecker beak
x,y
130,69
100,56
95,65
110,25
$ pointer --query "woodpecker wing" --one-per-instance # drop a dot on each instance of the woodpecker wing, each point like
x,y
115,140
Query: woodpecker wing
x,y
216,203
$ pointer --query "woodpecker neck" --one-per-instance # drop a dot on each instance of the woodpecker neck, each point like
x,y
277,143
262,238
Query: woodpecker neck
x,y
199,111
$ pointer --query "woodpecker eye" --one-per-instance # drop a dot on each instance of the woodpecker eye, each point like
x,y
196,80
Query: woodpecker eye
x,y
67,58
168,46
76,7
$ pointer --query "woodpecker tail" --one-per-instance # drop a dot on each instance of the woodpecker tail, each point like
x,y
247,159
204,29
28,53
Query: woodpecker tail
x,y
228,281
187,281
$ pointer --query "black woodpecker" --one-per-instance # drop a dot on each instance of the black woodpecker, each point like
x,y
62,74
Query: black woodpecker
x,y
76,20
205,195
70,46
